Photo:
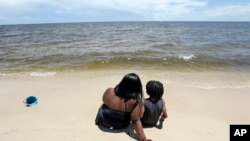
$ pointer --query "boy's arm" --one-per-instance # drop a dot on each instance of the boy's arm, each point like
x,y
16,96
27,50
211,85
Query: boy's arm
x,y
164,110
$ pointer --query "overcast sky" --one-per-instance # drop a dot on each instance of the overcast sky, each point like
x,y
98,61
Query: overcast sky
x,y
58,11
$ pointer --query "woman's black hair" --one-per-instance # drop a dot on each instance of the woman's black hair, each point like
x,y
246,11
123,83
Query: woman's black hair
x,y
130,87
154,89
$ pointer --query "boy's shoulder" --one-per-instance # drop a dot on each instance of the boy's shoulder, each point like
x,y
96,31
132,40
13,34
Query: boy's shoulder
x,y
153,99
149,100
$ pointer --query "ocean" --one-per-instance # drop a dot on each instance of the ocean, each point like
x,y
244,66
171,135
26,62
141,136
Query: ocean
x,y
166,46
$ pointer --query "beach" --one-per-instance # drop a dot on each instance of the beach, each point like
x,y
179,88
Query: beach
x,y
68,103
204,67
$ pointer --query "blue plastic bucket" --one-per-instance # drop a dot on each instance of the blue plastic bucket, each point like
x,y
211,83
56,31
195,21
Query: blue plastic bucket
x,y
31,101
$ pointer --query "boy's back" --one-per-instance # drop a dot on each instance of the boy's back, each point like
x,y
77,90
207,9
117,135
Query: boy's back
x,y
153,110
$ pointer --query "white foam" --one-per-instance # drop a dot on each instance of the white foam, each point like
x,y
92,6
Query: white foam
x,y
203,87
219,86
187,57
42,73
12,74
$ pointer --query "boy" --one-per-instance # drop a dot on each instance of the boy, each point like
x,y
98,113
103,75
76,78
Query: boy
x,y
154,105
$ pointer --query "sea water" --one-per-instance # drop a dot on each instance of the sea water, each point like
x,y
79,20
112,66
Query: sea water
x,y
162,45
48,49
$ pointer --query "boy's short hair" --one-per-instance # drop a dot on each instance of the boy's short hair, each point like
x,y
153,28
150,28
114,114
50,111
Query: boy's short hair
x,y
154,89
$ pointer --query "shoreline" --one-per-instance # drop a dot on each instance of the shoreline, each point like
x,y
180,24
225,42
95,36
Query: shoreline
x,y
68,104
204,79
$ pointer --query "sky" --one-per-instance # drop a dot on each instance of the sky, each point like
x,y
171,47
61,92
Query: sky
x,y
64,11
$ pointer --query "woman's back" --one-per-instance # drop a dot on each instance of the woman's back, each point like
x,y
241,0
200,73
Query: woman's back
x,y
117,103
115,111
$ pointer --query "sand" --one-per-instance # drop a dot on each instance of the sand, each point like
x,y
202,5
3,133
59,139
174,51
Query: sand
x,y
68,104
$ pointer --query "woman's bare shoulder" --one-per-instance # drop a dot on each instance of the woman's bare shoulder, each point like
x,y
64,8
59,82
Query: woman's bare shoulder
x,y
109,92
110,89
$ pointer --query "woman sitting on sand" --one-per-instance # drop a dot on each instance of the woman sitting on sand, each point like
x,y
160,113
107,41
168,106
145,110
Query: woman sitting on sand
x,y
122,105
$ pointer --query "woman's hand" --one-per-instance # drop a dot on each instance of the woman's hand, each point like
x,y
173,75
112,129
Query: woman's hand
x,y
145,140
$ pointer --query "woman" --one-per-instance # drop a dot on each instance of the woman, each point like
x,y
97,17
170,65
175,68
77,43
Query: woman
x,y
122,105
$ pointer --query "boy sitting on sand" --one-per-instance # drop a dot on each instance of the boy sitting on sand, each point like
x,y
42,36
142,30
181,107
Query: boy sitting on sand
x,y
154,105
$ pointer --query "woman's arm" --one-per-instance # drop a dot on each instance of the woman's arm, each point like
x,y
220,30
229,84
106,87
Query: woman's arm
x,y
139,130
142,110
135,118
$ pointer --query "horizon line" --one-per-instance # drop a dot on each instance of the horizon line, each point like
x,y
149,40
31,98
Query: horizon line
x,y
118,22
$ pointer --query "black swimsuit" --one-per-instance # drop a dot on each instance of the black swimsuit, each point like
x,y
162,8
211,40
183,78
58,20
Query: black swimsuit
x,y
113,119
